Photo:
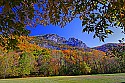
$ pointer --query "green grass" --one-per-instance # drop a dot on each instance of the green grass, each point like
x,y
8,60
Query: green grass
x,y
99,78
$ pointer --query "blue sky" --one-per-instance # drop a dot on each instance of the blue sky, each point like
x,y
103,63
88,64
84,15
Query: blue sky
x,y
74,29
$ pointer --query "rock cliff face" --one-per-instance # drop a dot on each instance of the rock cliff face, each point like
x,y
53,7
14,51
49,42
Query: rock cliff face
x,y
76,43
54,41
55,38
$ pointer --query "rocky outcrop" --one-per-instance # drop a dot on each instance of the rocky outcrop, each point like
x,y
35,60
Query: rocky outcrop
x,y
53,40
76,43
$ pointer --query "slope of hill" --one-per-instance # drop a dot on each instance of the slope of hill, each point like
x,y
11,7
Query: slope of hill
x,y
107,46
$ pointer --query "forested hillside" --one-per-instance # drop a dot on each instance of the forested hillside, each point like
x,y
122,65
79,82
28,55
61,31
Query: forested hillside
x,y
29,59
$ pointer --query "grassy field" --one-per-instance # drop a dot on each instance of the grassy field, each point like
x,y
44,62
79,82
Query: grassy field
x,y
99,78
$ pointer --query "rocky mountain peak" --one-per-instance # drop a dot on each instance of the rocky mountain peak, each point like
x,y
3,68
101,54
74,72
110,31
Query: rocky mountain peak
x,y
61,40
53,37
76,42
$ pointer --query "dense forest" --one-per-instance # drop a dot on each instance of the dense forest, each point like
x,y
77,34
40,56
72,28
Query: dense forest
x,y
29,59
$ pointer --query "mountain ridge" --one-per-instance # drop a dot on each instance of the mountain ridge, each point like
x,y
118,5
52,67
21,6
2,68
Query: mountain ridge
x,y
107,46
55,41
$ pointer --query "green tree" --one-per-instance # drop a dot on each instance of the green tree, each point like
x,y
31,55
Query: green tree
x,y
26,64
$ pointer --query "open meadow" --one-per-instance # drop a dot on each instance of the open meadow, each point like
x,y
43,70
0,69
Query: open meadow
x,y
99,78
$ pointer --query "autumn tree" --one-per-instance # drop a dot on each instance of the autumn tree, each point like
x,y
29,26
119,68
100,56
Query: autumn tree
x,y
14,16
44,63
96,15
56,61
74,63
119,54
9,64
95,61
